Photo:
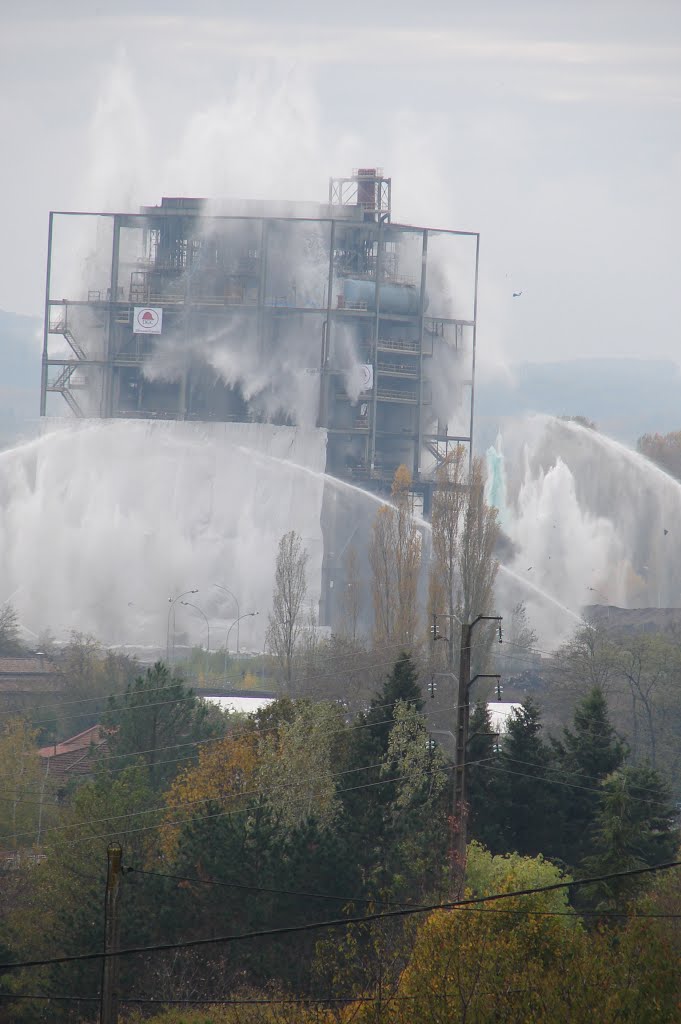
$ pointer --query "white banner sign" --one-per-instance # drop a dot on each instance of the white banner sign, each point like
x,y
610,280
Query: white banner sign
x,y
366,376
147,320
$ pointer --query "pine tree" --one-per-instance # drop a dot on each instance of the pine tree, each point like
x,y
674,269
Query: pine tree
x,y
483,791
587,754
634,827
526,790
594,748
395,843
155,711
400,685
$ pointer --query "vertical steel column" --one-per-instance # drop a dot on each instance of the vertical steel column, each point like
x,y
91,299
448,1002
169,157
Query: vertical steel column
x,y
377,317
187,319
323,420
419,408
260,314
46,325
475,329
108,382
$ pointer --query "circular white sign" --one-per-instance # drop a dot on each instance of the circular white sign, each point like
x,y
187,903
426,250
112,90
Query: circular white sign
x,y
365,377
147,319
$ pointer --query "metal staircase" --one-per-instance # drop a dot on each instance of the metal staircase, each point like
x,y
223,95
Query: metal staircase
x,y
62,383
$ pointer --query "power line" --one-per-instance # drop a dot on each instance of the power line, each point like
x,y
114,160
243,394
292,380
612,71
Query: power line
x,y
277,892
574,774
164,807
405,903
204,817
184,803
337,922
242,810
249,732
553,782
351,658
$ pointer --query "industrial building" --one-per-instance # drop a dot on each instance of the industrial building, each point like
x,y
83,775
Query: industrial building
x,y
330,315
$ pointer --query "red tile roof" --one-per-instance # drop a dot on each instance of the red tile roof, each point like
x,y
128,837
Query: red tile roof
x,y
74,755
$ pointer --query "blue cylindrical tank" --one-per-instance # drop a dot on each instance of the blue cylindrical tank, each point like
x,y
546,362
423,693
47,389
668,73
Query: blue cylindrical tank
x,y
395,298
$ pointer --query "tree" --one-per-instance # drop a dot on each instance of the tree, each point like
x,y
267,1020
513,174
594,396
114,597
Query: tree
x,y
583,421
648,664
482,967
589,658
593,748
528,804
395,560
395,808
464,534
664,450
88,675
297,763
352,599
477,565
155,713
21,806
64,909
419,767
401,686
635,826
449,501
521,637
224,776
483,793
290,590
10,640
586,755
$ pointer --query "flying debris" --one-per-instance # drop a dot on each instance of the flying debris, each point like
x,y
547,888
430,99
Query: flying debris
x,y
666,532
517,295
530,569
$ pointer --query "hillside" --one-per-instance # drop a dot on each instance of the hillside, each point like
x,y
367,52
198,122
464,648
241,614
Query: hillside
x,y
625,397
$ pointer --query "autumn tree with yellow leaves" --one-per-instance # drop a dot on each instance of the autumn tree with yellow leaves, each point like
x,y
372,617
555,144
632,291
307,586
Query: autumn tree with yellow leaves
x,y
465,530
395,560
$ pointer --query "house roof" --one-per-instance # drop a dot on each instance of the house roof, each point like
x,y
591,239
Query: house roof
x,y
81,741
31,666
74,755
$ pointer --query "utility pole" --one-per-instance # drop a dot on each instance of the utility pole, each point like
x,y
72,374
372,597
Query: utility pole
x,y
459,809
108,1007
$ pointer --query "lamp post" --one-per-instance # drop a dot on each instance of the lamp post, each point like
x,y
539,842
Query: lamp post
x,y
238,613
172,601
188,604
246,615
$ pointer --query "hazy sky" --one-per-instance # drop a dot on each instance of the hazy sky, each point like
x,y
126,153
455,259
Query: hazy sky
x,y
553,128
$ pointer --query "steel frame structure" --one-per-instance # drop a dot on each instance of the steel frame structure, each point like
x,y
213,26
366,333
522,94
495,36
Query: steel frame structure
x,y
371,295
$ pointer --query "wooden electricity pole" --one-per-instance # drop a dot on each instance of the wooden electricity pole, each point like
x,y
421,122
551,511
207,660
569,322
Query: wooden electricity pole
x,y
108,1013
459,809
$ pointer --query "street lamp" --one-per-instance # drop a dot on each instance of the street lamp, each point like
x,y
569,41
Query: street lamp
x,y
238,613
246,615
171,602
188,604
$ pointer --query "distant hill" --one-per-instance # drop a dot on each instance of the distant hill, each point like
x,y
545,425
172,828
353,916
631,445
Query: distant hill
x,y
625,397
20,350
